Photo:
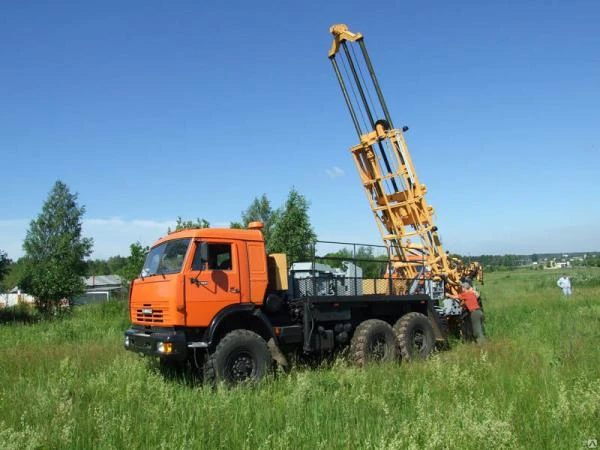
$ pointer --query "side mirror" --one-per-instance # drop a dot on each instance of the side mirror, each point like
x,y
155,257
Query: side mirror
x,y
203,252
200,257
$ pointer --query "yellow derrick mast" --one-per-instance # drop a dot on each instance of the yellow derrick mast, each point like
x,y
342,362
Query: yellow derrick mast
x,y
395,194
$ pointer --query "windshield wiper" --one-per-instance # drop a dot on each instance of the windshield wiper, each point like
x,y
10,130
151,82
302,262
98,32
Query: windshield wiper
x,y
147,274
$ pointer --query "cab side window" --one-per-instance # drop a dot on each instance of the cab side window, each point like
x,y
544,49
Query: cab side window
x,y
219,257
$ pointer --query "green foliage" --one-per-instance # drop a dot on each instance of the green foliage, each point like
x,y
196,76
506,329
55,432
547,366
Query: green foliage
x,y
185,224
55,251
335,259
134,262
109,266
16,271
5,264
22,313
363,257
592,261
259,210
96,267
499,262
535,384
292,232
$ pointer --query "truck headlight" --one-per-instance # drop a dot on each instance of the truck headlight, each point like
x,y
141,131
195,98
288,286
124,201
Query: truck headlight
x,y
164,347
126,342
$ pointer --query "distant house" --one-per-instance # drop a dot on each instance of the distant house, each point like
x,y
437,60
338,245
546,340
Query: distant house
x,y
15,297
100,288
553,264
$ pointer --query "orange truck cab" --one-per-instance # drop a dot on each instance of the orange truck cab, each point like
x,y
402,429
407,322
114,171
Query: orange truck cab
x,y
214,299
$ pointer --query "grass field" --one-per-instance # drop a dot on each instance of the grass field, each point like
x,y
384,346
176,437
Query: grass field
x,y
535,384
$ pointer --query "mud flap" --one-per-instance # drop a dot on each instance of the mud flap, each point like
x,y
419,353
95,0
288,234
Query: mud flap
x,y
441,336
276,354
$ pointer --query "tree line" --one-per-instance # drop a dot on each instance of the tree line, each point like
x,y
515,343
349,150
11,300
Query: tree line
x,y
592,261
498,262
56,252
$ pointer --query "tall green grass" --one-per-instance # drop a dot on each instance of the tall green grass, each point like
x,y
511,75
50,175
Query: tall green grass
x,y
536,384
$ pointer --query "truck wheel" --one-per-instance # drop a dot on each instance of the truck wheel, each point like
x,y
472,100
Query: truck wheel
x,y
242,355
415,336
373,341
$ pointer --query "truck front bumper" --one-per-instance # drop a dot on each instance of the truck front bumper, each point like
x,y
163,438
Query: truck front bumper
x,y
164,342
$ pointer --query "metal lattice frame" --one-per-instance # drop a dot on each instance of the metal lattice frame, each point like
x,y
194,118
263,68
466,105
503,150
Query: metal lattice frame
x,y
395,194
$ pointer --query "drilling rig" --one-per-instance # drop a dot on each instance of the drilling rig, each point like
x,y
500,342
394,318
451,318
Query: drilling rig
x,y
214,300
395,193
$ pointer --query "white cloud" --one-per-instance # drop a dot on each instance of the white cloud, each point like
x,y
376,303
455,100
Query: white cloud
x,y
140,223
112,236
334,172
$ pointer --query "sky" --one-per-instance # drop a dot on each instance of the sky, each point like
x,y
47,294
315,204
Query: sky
x,y
153,110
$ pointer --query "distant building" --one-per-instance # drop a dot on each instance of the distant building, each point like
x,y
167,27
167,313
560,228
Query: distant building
x,y
100,288
15,297
553,264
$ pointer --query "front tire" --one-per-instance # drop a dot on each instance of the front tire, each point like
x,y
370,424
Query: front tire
x,y
415,336
241,356
373,341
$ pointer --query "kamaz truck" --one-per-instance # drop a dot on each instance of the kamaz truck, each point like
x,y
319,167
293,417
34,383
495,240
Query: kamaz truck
x,y
214,299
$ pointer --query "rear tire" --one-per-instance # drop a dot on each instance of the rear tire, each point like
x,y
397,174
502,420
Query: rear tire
x,y
373,341
241,356
415,336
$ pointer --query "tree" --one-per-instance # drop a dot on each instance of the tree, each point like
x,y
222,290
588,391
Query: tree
x,y
184,224
134,262
15,274
116,263
363,256
55,251
259,210
292,232
96,267
373,266
5,264
335,259
109,266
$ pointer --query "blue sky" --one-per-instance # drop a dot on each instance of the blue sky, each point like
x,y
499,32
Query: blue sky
x,y
153,110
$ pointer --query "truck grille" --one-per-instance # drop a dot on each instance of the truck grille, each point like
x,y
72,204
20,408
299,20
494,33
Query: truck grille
x,y
147,314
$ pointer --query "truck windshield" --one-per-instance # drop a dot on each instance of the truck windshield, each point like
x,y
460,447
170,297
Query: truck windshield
x,y
166,258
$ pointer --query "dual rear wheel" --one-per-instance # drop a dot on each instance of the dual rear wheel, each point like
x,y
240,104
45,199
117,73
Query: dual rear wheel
x,y
411,338
243,355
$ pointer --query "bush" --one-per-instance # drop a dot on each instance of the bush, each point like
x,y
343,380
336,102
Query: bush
x,y
22,312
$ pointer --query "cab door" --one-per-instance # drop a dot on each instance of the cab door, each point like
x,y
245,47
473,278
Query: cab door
x,y
214,284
